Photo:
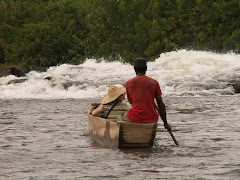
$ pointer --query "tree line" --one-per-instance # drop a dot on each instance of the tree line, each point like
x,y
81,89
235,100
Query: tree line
x,y
36,34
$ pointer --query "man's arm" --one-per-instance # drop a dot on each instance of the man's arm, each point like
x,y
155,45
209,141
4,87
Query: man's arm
x,y
162,112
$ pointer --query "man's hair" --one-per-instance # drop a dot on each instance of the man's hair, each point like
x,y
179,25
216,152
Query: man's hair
x,y
140,65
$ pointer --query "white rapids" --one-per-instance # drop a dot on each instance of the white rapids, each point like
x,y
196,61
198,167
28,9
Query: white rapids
x,y
179,73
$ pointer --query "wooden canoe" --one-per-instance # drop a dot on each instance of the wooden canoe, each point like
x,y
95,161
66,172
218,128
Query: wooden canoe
x,y
121,134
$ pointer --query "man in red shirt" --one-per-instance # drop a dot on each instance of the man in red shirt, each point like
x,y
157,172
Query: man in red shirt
x,y
141,92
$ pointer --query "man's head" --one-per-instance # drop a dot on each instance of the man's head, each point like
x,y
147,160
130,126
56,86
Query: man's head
x,y
140,65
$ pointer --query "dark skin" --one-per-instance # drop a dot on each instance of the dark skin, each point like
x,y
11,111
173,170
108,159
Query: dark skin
x,y
160,106
162,113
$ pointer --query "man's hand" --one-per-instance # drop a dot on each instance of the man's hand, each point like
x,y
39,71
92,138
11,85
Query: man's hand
x,y
167,126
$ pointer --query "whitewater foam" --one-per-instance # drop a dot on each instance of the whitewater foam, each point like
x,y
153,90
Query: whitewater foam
x,y
179,73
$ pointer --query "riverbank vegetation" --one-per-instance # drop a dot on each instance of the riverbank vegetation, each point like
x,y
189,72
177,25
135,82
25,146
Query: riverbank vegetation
x,y
37,34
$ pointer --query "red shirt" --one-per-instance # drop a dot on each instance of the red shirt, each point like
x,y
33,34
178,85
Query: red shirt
x,y
141,92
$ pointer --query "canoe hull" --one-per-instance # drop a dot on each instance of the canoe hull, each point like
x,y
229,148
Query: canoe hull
x,y
121,134
136,134
103,132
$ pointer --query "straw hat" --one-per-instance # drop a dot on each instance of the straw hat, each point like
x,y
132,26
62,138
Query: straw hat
x,y
113,93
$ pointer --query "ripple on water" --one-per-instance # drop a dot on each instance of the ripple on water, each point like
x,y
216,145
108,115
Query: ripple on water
x,y
42,144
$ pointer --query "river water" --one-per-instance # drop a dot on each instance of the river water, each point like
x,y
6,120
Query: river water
x,y
43,124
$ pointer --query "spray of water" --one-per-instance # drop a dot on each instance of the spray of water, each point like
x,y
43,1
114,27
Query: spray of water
x,y
179,73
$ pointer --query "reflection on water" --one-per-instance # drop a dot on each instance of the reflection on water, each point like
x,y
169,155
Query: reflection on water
x,y
48,139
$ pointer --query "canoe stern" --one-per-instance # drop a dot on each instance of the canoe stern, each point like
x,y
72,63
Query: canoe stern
x,y
103,131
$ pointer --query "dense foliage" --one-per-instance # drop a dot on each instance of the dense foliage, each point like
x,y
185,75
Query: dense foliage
x,y
40,33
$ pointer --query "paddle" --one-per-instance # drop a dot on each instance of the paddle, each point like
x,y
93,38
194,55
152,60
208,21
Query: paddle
x,y
174,139
170,132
